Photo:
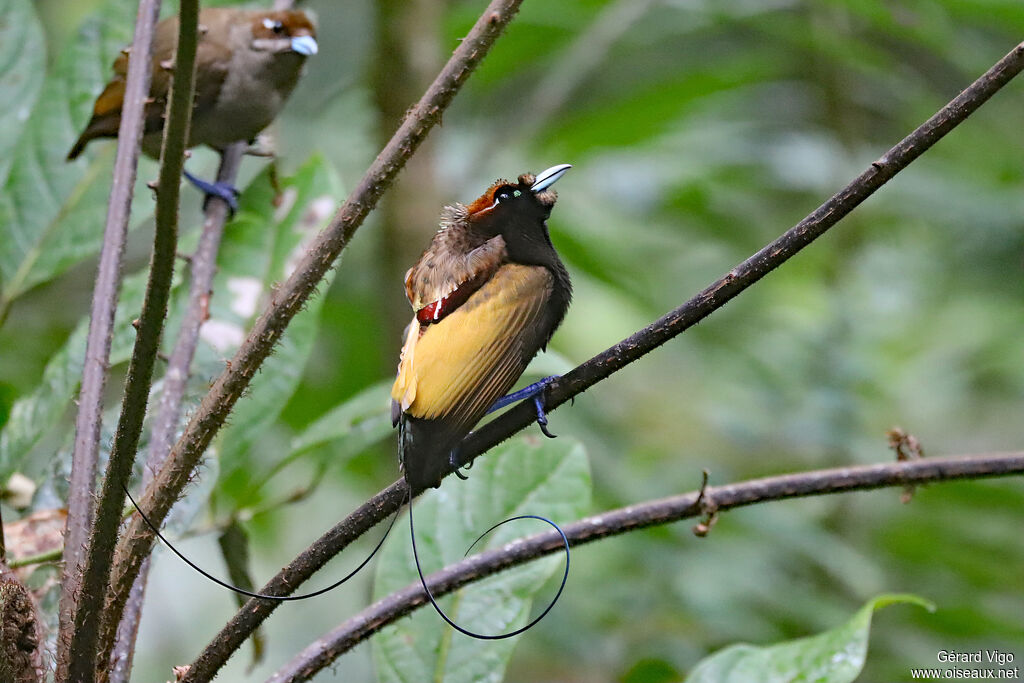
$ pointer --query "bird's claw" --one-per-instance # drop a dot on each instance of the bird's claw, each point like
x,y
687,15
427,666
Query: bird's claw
x,y
542,417
536,392
453,460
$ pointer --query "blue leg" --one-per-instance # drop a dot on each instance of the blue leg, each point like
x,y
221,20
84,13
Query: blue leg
x,y
223,190
534,391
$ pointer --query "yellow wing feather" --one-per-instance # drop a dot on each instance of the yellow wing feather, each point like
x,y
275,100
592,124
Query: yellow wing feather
x,y
459,366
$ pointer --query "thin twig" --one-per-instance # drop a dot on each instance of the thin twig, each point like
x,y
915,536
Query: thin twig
x,y
386,502
42,558
353,631
289,299
203,268
84,665
101,327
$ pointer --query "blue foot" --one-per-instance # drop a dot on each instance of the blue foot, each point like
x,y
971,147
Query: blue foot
x,y
223,190
534,391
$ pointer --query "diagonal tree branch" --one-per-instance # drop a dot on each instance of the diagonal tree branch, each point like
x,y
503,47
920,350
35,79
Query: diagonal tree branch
x,y
325,650
84,664
387,502
101,330
137,542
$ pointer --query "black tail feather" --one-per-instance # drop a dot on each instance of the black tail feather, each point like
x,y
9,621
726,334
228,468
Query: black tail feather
x,y
263,596
482,636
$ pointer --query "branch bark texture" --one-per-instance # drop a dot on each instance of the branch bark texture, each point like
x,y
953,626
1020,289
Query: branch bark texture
x,y
101,329
385,503
85,664
137,542
325,650
203,268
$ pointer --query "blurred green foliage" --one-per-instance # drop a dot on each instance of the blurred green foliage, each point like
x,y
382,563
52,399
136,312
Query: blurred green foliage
x,y
698,132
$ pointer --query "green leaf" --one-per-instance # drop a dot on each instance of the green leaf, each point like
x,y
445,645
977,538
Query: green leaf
x,y
523,476
835,656
22,70
234,548
348,429
33,417
52,212
261,247
352,425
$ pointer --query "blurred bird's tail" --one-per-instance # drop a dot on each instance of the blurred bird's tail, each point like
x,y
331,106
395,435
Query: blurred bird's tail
x,y
78,148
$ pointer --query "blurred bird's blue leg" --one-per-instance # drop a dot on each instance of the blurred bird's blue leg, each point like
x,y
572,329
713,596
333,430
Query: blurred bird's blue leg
x,y
225,191
534,391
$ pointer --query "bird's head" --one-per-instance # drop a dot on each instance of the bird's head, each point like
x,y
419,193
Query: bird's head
x,y
287,31
521,205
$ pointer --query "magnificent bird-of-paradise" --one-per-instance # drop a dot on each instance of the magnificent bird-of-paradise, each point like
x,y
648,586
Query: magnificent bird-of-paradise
x,y
487,295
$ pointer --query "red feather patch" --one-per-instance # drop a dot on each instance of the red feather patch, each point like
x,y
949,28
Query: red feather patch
x,y
435,311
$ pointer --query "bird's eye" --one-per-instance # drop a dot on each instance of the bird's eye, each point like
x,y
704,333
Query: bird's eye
x,y
506,193
273,25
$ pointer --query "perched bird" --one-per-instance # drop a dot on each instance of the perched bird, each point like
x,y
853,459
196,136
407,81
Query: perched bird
x,y
487,295
247,64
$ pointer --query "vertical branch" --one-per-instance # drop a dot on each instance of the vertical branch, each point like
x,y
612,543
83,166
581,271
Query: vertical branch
x,y
204,262
101,325
203,268
82,667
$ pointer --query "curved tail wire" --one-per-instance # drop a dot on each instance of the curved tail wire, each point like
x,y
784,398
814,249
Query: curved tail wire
x,y
451,622
263,596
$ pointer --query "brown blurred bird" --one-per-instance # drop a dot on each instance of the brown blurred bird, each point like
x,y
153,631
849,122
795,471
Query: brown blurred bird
x,y
247,64
487,295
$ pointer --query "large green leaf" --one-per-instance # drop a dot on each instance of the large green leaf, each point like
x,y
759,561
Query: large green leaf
x,y
523,476
260,249
835,656
33,417
351,425
52,212
249,247
22,69
341,433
